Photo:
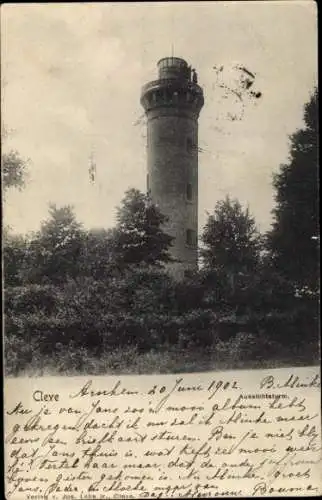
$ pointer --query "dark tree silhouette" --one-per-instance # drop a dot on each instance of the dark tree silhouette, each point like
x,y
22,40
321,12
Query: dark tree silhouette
x,y
231,241
294,238
54,251
14,255
96,259
138,237
13,170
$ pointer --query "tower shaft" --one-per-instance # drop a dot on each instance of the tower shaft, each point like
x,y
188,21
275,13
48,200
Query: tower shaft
x,y
172,105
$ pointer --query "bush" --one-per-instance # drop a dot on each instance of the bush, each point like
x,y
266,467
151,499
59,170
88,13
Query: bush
x,y
30,299
143,310
247,347
18,354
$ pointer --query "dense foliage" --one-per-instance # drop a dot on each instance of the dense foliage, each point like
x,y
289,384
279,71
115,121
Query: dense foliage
x,y
294,240
231,246
13,169
103,298
138,237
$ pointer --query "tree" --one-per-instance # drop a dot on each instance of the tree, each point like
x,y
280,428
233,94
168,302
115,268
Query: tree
x,y
13,174
231,242
14,255
96,258
294,238
13,170
54,251
138,237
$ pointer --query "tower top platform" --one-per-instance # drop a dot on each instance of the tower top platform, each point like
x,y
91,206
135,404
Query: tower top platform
x,y
172,67
172,61
176,87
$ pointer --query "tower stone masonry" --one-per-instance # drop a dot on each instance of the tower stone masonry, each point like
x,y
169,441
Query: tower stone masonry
x,y
172,104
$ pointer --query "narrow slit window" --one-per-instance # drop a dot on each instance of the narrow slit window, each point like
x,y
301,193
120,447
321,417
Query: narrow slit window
x,y
189,192
189,144
148,183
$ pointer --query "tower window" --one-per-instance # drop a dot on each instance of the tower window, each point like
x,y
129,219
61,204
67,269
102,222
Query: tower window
x,y
189,192
190,237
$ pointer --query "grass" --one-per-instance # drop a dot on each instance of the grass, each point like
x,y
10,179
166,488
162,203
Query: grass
x,y
166,360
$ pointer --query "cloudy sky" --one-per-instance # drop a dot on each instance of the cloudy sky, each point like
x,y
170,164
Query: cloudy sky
x,y
71,80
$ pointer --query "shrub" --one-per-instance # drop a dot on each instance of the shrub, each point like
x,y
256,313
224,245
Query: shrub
x,y
247,346
18,354
30,299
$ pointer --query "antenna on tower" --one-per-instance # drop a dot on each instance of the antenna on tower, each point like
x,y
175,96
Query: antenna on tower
x,y
172,34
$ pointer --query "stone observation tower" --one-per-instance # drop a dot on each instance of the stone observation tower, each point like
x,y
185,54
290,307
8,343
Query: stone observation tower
x,y
172,105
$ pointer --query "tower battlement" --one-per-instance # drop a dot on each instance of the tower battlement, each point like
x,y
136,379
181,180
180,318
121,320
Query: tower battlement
x,y
172,104
176,88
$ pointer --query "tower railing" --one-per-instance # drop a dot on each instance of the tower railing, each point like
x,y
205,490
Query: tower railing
x,y
172,82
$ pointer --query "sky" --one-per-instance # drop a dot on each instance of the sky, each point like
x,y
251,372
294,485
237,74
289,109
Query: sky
x,y
71,82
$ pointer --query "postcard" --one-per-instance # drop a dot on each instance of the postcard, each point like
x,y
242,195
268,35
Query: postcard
x,y
161,250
